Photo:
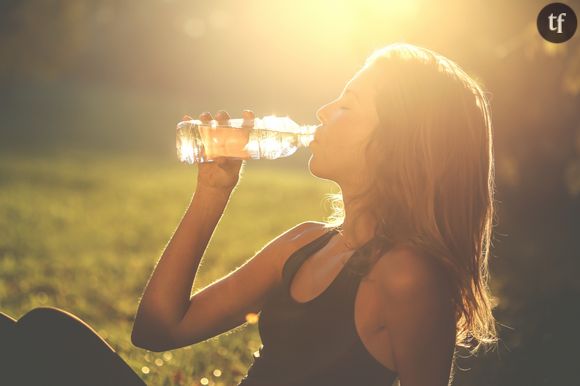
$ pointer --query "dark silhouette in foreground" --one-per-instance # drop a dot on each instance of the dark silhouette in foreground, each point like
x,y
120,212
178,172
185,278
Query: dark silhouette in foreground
x,y
50,346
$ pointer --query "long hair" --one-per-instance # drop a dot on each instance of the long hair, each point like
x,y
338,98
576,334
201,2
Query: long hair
x,y
432,176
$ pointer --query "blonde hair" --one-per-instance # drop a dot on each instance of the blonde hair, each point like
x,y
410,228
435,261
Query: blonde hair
x,y
432,176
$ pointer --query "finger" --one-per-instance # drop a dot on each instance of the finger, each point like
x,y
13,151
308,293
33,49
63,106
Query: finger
x,y
203,154
205,117
186,118
248,116
222,117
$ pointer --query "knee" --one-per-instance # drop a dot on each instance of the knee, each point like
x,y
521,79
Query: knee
x,y
47,318
42,314
54,324
7,326
6,320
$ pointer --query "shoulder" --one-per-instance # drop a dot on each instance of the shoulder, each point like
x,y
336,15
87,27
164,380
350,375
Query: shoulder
x,y
308,227
417,313
298,231
406,277
303,233
298,236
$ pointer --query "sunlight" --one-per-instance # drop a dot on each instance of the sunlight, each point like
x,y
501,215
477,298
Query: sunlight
x,y
89,127
402,8
252,318
194,28
185,148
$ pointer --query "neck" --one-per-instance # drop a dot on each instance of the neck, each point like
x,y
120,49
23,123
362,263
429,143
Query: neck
x,y
358,226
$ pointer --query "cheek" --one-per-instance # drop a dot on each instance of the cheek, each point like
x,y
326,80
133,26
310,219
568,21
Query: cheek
x,y
343,149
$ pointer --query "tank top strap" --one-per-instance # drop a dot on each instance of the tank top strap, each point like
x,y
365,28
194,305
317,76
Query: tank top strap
x,y
298,257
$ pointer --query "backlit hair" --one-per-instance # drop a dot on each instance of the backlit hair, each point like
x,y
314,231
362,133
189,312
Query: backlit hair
x,y
432,176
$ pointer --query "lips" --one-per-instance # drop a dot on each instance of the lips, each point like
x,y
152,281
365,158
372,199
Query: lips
x,y
317,131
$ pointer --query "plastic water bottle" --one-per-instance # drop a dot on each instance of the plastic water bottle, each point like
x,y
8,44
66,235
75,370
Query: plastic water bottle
x,y
270,137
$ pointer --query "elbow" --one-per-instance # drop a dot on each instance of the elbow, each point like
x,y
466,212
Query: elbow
x,y
152,342
138,340
151,333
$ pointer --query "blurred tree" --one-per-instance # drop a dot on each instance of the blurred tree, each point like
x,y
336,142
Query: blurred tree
x,y
42,39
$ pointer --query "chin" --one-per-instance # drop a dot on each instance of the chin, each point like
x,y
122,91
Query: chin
x,y
314,167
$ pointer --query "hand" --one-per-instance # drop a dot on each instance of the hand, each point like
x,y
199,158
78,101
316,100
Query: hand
x,y
224,173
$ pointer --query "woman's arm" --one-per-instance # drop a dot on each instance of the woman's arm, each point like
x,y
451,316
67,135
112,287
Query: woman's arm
x,y
419,316
166,296
168,318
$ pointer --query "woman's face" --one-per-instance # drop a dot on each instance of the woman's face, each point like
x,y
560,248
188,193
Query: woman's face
x,y
346,124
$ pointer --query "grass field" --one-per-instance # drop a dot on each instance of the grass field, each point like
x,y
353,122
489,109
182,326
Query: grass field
x,y
83,231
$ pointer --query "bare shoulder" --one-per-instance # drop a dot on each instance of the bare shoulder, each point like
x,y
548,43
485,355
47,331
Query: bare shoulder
x,y
298,236
403,274
306,230
417,311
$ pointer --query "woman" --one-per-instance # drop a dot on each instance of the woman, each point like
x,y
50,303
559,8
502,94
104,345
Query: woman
x,y
396,280
398,277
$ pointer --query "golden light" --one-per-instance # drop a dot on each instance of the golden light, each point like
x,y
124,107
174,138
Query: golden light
x,y
252,318
194,28
184,142
405,9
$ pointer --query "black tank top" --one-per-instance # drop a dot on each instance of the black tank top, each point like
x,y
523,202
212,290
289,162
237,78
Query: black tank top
x,y
314,343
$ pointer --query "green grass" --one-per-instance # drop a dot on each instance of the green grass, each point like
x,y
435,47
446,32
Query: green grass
x,y
82,232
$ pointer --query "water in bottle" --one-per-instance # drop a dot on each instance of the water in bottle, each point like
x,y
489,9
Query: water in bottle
x,y
270,137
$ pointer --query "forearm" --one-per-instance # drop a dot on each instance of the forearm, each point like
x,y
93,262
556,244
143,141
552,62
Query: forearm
x,y
166,296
